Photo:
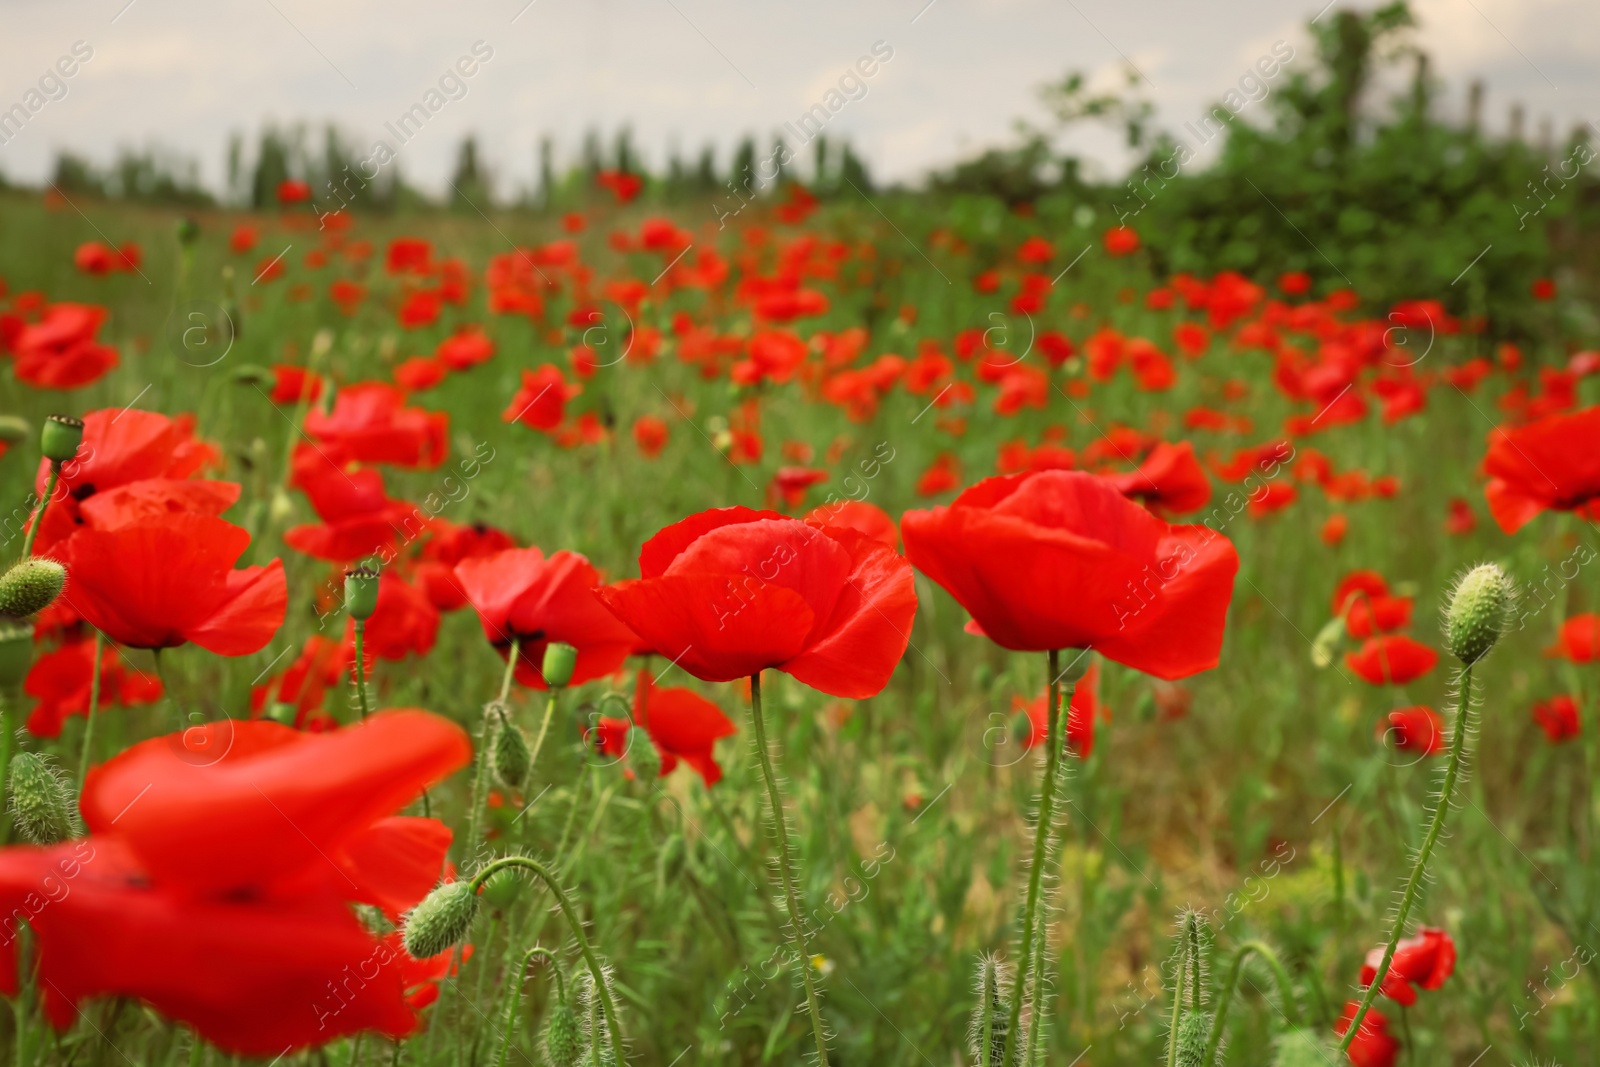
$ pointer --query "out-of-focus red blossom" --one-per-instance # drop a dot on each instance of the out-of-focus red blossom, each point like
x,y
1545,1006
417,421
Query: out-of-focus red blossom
x,y
419,374
1461,520
222,897
791,484
243,239
1294,283
1120,241
521,596
306,681
1270,498
1373,1046
1558,717
860,516
1416,729
405,622
1081,714
942,475
1363,598
370,423
1423,961
1552,464
1061,559
465,349
408,255
1334,529
683,725
290,384
1578,640
293,191
1543,289
541,403
61,680
60,351
622,185
650,435
731,591
420,309
448,544
1170,480
1392,659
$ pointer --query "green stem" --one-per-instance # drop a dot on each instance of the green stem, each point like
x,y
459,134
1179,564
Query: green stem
x,y
544,727
1041,838
480,775
94,707
1291,1009
510,671
38,518
576,925
361,667
515,999
1178,971
791,897
1420,866
5,767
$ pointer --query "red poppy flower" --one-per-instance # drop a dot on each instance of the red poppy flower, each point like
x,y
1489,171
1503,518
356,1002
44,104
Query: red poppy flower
x,y
371,424
1120,241
1364,601
1461,519
60,350
1543,289
1415,729
304,683
1294,283
160,583
520,595
358,517
1373,1046
92,257
290,384
1061,559
1392,659
243,238
942,475
448,544
1335,528
1578,640
791,484
683,725
860,516
61,680
464,350
1425,961
1080,716
1551,464
1169,480
218,881
541,403
293,191
731,591
1558,718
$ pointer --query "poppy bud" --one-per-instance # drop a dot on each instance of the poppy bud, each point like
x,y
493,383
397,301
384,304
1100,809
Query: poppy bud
x,y
284,713
361,592
30,587
60,437
1477,614
511,758
646,761
188,231
16,653
441,920
253,374
502,889
13,429
41,800
563,1041
559,662
1300,1048
1078,662
986,1032
1193,1030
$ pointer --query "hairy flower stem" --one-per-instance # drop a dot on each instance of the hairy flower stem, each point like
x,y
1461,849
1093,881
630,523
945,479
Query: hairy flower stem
x,y
514,997
38,518
1030,967
481,773
1179,969
544,727
1447,789
791,897
361,667
613,1024
1291,1010
94,706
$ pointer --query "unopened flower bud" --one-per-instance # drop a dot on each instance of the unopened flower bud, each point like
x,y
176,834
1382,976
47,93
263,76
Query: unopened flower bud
x,y
253,374
510,755
1076,665
13,429
361,592
441,920
502,888
645,759
16,652
1193,1030
188,231
563,1040
60,437
31,586
284,713
41,800
1300,1048
559,663
1478,612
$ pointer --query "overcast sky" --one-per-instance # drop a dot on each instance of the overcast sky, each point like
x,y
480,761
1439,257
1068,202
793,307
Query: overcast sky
x,y
182,74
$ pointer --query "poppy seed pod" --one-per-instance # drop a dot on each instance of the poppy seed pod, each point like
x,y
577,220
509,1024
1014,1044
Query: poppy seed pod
x,y
16,653
559,662
511,758
441,920
1193,1030
41,800
563,1041
1478,612
60,437
31,586
361,592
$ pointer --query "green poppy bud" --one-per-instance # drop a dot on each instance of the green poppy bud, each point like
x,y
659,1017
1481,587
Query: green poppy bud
x,y
563,1039
1478,612
60,437
1300,1048
361,592
284,713
1074,664
1193,1030
559,662
253,374
441,920
188,231
16,652
31,586
41,800
502,889
510,756
13,429
645,759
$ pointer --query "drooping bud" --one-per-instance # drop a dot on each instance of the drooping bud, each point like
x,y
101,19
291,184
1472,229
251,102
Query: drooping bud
x,y
361,592
31,586
986,1032
1478,611
563,1040
253,374
559,662
16,652
645,759
188,230
60,437
1193,1031
502,889
510,755
13,429
41,800
1300,1048
441,920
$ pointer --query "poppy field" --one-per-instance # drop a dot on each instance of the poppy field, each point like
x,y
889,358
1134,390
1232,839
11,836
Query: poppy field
x,y
863,629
